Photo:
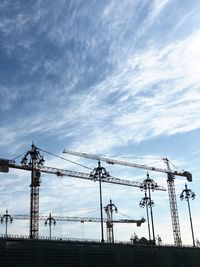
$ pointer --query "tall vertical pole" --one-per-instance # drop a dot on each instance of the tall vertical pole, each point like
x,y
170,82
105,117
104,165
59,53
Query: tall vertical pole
x,y
187,193
152,222
98,174
111,218
191,222
31,234
50,231
148,185
146,202
49,221
101,209
7,219
147,211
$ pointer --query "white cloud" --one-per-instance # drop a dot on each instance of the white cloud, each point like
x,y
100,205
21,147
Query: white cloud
x,y
166,108
156,8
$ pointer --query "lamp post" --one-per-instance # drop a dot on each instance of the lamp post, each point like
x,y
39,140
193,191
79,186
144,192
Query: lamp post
x,y
149,185
7,218
50,221
98,174
187,194
146,202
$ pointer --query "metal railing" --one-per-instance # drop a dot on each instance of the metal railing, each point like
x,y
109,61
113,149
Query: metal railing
x,y
82,240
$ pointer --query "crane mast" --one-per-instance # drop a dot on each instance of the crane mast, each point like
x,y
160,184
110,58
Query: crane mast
x,y
109,209
34,204
173,206
170,184
35,162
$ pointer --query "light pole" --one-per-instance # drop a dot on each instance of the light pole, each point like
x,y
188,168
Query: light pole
x,y
50,221
98,174
187,194
149,185
7,218
146,202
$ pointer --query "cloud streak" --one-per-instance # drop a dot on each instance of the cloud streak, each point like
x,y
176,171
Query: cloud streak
x,y
103,77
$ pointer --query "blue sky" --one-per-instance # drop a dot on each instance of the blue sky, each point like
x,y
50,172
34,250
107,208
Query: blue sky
x,y
108,77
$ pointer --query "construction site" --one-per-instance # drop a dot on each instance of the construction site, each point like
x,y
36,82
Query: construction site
x,y
33,249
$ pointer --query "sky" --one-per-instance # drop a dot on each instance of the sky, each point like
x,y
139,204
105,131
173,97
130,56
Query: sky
x,y
115,78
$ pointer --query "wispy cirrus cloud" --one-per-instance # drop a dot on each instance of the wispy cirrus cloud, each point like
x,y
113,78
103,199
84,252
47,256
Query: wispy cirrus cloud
x,y
140,108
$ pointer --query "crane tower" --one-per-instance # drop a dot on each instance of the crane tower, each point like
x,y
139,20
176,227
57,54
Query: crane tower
x,y
35,162
170,183
109,224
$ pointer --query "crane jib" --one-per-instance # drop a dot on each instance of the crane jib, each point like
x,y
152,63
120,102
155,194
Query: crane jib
x,y
186,174
6,164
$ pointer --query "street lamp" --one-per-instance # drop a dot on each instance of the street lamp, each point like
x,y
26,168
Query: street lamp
x,y
7,218
187,194
50,221
147,202
149,185
98,174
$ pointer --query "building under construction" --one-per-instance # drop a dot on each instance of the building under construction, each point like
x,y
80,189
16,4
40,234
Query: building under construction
x,y
34,250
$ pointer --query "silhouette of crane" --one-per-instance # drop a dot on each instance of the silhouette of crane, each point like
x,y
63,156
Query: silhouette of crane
x,y
51,220
170,183
33,161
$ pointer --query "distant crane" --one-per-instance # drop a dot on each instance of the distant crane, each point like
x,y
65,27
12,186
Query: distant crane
x,y
170,182
33,161
109,209
52,220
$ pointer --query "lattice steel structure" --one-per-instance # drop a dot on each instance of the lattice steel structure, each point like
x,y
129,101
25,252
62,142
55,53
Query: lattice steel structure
x,y
173,206
170,184
109,209
34,161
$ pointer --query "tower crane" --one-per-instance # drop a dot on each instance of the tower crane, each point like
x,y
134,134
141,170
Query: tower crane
x,y
170,184
77,219
109,225
33,161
